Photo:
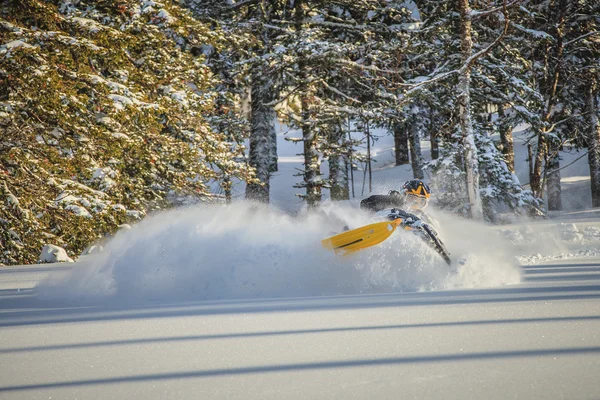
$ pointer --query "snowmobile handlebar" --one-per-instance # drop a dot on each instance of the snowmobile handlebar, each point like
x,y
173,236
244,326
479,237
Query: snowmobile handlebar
x,y
408,219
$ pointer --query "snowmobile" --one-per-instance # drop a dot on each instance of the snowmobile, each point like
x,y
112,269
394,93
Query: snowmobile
x,y
370,235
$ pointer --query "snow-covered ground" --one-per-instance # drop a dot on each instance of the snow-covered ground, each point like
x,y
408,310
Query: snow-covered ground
x,y
536,340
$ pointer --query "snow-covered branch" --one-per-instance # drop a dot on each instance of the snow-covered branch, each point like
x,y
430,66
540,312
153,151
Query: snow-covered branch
x,y
277,28
284,97
568,165
483,52
330,24
243,3
535,33
338,92
366,67
467,64
478,14
581,37
562,121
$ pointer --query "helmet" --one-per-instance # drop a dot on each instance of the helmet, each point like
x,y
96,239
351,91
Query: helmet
x,y
417,193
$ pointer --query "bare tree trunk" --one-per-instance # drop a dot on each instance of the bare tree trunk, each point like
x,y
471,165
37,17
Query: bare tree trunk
x,y
466,123
506,139
400,144
338,166
262,143
591,106
535,179
416,158
312,165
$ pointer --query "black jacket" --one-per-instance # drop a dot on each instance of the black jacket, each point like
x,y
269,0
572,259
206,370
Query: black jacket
x,y
379,202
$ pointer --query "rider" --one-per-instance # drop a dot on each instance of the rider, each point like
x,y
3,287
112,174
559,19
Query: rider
x,y
408,205
411,201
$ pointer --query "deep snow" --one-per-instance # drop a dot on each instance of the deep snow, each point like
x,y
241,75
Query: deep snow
x,y
245,251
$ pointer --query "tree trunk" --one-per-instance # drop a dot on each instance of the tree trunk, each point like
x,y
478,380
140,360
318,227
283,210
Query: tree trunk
x,y
548,87
263,144
369,160
351,158
591,106
553,164
553,181
535,178
530,160
506,140
273,163
466,123
416,158
435,144
338,167
400,144
263,138
227,189
434,136
312,164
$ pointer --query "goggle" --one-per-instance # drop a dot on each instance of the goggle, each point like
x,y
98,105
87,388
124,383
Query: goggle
x,y
416,201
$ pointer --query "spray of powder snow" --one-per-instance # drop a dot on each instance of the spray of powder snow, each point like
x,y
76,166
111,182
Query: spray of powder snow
x,y
246,251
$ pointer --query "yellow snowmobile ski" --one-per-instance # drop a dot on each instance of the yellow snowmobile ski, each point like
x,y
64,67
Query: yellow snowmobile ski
x,y
361,238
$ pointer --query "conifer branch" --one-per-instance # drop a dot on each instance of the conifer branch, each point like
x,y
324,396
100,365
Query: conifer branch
x,y
243,3
581,37
477,14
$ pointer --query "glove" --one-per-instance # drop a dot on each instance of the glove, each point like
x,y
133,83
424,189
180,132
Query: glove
x,y
408,219
395,213
413,223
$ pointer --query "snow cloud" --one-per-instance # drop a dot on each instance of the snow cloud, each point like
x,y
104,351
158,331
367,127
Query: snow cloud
x,y
246,251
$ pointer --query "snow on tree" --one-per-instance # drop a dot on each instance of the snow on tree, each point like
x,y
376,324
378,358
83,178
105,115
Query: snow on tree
x,y
592,107
332,51
105,117
499,187
584,49
555,30
400,144
449,28
258,66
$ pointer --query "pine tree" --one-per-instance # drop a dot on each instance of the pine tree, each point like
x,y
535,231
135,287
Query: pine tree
x,y
107,114
548,20
257,64
477,73
593,136
584,51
